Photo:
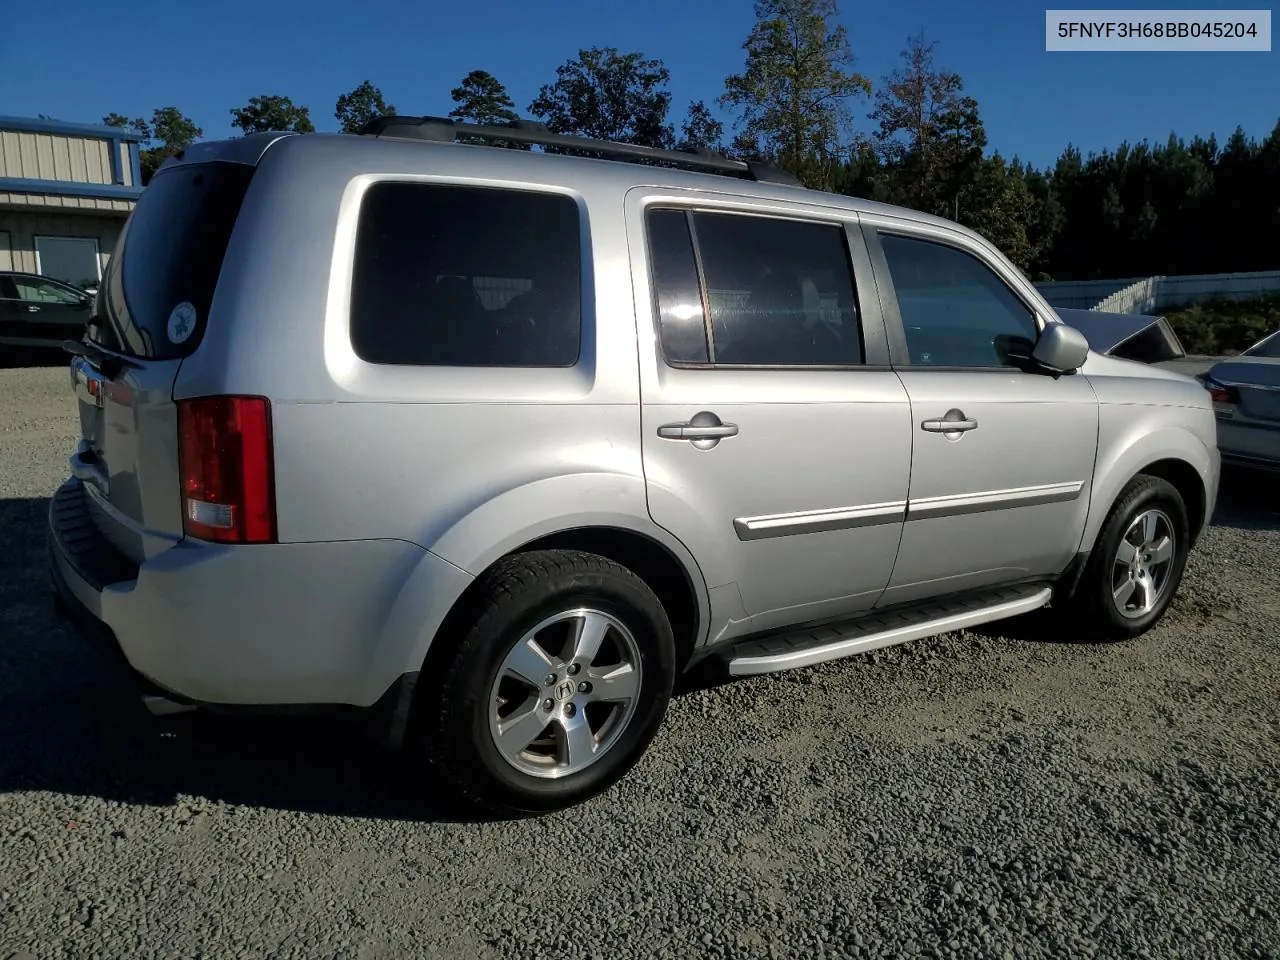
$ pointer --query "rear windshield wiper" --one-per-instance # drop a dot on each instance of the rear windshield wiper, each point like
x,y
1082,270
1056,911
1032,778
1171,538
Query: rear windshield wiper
x,y
110,365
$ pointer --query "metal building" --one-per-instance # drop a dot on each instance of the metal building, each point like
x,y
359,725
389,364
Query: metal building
x,y
65,191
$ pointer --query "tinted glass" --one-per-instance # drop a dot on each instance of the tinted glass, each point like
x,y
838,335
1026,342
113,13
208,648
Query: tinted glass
x,y
956,310
72,260
167,261
1268,347
675,278
780,291
466,276
45,292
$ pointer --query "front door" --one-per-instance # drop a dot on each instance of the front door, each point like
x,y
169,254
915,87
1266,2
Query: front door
x,y
776,440
1002,457
41,312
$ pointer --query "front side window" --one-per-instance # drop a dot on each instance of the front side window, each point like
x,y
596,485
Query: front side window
x,y
777,292
466,276
955,310
42,291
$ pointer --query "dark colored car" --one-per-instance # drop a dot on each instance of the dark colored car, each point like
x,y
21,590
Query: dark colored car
x,y
38,311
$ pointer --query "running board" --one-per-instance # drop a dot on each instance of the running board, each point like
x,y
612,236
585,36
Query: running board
x,y
803,648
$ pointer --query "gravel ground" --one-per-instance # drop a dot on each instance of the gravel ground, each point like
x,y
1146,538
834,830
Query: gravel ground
x,y
995,793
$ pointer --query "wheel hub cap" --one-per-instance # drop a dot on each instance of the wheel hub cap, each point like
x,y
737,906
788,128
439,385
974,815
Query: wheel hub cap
x,y
1143,562
565,692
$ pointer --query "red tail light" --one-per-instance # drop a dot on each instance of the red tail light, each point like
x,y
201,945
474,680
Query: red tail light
x,y
226,468
1218,392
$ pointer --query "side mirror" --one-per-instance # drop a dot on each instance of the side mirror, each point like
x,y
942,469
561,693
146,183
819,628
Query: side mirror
x,y
1060,349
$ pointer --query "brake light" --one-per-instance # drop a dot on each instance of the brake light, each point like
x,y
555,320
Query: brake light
x,y
225,463
1219,393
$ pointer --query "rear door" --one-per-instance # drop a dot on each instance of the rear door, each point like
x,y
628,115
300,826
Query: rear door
x,y
776,440
153,307
1002,456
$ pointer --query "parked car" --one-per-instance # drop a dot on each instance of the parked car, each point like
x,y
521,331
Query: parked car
x,y
492,445
38,311
1246,399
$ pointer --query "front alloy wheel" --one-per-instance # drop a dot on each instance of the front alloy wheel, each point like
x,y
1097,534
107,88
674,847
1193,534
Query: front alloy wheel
x,y
1143,562
1136,563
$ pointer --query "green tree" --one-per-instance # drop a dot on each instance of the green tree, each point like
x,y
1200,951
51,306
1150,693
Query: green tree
x,y
356,108
607,95
266,113
481,98
169,131
793,93
701,129
138,126
999,205
928,131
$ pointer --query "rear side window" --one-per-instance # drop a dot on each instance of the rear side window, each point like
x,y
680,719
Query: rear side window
x,y
466,276
155,298
778,292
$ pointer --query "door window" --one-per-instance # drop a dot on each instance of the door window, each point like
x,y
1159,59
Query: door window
x,y
777,292
42,291
955,310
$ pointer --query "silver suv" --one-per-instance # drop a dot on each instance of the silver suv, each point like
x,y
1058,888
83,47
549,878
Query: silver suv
x,y
494,444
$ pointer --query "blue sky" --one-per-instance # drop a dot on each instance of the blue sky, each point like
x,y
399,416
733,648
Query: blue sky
x,y
74,60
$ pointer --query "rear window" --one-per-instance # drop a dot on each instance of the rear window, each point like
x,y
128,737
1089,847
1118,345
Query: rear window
x,y
466,276
155,297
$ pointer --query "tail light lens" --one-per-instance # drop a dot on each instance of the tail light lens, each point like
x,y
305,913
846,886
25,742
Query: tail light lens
x,y
226,467
1219,393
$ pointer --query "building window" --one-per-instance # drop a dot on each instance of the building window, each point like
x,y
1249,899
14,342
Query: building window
x,y
72,260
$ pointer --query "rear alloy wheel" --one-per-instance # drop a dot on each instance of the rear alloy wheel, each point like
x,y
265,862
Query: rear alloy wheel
x,y
555,687
1136,564
565,692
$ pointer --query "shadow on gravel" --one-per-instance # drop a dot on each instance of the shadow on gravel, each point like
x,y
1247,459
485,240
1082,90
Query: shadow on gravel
x,y
1248,500
72,723
13,357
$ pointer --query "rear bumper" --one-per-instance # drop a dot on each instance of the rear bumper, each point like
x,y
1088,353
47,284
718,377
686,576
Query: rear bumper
x,y
279,625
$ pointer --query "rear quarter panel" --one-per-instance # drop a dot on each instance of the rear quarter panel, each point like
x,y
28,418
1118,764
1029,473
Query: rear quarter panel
x,y
467,463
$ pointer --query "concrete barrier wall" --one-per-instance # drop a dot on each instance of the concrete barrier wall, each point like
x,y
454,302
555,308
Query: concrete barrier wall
x,y
1147,295
1080,294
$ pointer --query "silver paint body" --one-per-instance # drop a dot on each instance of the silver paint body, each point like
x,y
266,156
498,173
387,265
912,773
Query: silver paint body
x,y
397,486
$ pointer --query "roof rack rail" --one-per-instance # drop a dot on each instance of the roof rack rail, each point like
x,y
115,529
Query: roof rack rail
x,y
445,129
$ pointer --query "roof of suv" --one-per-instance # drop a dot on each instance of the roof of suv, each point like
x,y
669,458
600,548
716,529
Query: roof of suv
x,y
531,166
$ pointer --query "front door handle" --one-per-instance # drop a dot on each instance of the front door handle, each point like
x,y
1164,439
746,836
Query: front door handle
x,y
32,308
952,424
705,429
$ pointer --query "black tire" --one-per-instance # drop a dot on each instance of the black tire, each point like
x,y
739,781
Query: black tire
x,y
451,722
1092,611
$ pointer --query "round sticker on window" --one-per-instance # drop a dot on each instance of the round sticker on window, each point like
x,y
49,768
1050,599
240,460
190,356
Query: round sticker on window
x,y
182,322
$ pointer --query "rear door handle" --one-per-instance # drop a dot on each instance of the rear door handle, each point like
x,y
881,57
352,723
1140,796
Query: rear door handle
x,y
705,429
954,421
687,431
32,308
